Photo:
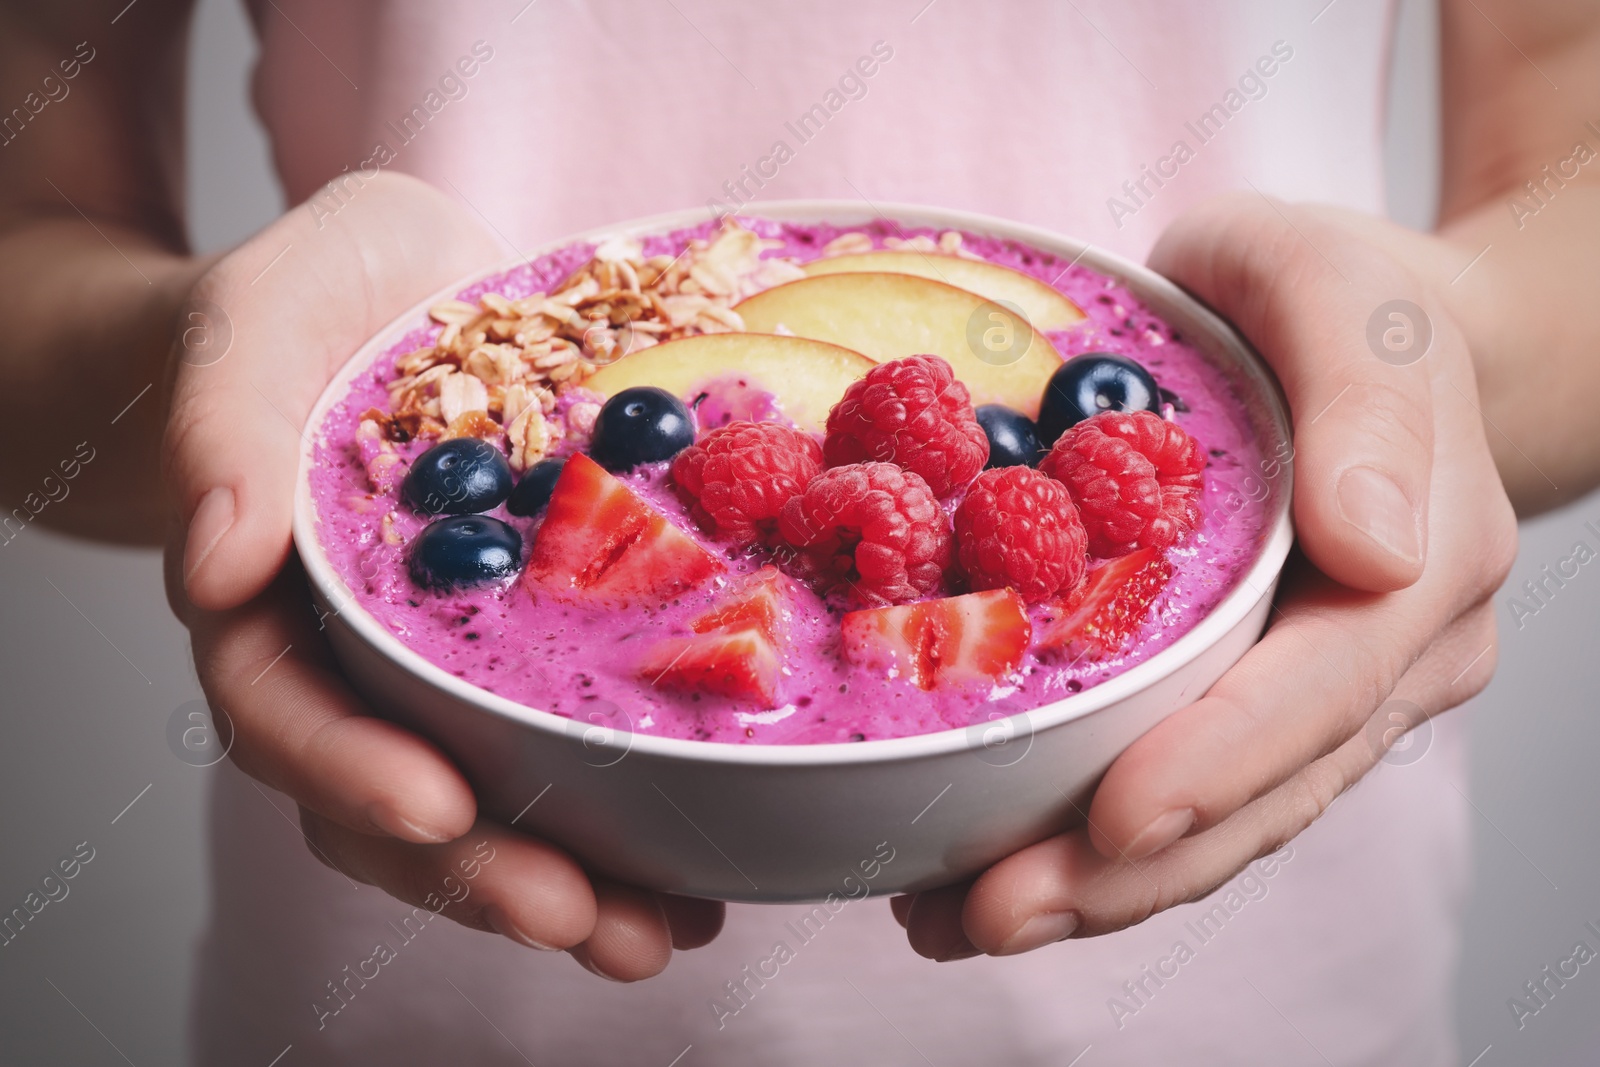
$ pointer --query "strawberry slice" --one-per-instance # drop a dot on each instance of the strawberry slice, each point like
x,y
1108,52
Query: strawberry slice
x,y
735,648
742,664
759,603
978,636
598,537
1097,620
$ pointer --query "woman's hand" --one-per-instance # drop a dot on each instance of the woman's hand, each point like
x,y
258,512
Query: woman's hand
x,y
271,323
1404,534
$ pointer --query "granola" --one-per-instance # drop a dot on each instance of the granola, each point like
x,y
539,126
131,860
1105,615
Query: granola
x,y
498,366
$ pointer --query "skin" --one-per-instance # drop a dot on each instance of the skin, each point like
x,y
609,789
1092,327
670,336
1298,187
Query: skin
x,y
1406,477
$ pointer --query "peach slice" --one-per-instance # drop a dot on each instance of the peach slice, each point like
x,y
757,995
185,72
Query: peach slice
x,y
806,377
1046,308
996,353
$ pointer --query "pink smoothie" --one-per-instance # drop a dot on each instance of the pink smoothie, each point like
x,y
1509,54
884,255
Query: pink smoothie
x,y
576,661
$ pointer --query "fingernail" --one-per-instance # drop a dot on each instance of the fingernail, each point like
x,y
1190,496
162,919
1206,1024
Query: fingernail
x,y
506,928
394,824
589,965
212,519
1163,830
964,954
1043,929
1370,501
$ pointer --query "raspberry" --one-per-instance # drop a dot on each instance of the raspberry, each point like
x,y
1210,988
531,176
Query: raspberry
x,y
740,476
1019,528
871,526
913,413
1135,478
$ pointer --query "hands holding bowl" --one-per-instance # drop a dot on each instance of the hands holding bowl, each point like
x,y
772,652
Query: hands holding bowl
x,y
1404,532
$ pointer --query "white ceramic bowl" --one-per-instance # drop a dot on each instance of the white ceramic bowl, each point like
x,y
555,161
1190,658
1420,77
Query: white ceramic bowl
x,y
800,822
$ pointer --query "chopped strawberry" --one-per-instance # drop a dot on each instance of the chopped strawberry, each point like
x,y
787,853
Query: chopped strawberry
x,y
758,604
1098,618
742,664
735,648
942,642
598,537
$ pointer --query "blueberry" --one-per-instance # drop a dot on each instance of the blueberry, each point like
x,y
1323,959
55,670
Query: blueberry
x,y
533,491
464,550
458,477
1089,384
1013,441
640,425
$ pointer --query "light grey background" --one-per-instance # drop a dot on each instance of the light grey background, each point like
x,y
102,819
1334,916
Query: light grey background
x,y
93,666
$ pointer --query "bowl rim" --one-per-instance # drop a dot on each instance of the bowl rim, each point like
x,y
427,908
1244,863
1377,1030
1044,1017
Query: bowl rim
x,y
1235,605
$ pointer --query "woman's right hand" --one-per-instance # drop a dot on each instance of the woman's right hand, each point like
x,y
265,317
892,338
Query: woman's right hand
x,y
272,322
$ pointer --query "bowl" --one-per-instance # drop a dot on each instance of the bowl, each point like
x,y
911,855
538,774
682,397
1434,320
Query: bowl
x,y
771,823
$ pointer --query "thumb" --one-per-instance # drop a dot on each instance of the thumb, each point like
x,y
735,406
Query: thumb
x,y
1304,291
262,333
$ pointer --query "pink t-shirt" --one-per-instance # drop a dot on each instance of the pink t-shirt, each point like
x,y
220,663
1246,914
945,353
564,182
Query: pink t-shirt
x,y
1096,119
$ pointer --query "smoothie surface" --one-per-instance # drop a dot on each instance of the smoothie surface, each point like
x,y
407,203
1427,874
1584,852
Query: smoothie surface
x,y
576,660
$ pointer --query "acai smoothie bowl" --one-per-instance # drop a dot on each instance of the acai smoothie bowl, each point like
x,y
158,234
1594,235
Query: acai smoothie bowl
x,y
812,553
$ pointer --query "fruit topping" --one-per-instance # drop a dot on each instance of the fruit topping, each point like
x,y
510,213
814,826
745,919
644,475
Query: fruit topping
x,y
953,640
1013,439
740,477
749,374
458,477
1045,306
534,488
872,527
1135,478
913,413
598,537
1091,383
643,424
1019,528
735,650
1098,620
997,354
742,665
464,550
760,602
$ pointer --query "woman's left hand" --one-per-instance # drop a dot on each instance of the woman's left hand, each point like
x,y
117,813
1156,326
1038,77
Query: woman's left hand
x,y
1405,533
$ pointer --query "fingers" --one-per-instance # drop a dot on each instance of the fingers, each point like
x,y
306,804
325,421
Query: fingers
x,y
632,939
1308,686
491,879
694,923
1329,659
265,330
1304,689
1304,292
299,728
636,931
933,923
900,908
1068,887
1063,887
498,880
